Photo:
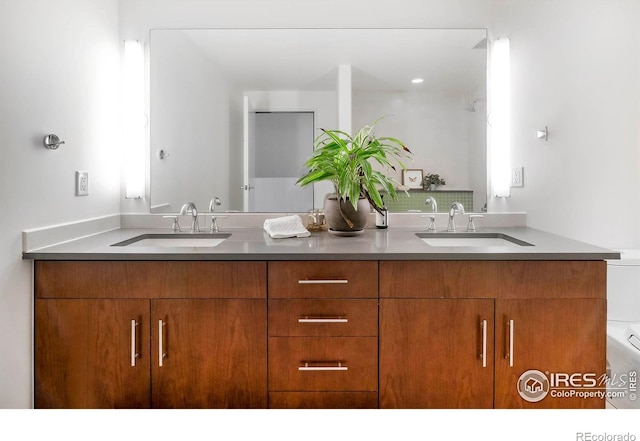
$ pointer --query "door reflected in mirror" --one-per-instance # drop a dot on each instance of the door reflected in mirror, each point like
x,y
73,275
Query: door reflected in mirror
x,y
233,112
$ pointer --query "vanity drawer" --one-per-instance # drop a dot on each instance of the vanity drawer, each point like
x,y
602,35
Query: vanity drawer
x,y
143,279
323,279
493,279
323,363
438,279
323,317
323,400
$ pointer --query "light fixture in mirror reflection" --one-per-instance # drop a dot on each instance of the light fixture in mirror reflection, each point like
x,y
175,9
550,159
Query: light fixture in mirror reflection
x,y
210,88
134,119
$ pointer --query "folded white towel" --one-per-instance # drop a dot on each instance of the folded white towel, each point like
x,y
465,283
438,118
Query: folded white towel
x,y
287,226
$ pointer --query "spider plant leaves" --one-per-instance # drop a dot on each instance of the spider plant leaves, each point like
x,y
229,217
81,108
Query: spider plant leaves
x,y
346,161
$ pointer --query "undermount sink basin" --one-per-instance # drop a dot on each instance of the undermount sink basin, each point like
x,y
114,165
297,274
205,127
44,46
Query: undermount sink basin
x,y
174,240
471,240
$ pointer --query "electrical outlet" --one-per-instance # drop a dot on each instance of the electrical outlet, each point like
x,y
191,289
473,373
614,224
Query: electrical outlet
x,y
82,183
517,177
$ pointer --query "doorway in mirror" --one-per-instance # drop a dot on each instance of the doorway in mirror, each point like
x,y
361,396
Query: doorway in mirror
x,y
283,142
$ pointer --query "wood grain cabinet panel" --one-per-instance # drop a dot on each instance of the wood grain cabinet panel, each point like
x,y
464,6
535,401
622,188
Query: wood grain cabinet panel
x,y
323,279
215,353
202,334
158,279
493,279
438,279
436,353
216,348
548,316
83,354
552,279
552,336
323,317
323,400
290,358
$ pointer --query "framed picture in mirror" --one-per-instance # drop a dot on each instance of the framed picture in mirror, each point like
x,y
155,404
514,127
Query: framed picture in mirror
x,y
412,178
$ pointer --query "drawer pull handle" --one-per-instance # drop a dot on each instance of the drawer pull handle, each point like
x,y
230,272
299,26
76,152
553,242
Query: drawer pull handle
x,y
483,354
161,353
134,351
509,348
337,366
323,320
323,281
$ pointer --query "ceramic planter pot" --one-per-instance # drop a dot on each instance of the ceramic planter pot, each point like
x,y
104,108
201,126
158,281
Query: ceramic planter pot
x,y
338,212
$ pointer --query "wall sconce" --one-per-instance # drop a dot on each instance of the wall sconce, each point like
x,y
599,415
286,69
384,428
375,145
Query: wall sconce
x,y
500,108
134,119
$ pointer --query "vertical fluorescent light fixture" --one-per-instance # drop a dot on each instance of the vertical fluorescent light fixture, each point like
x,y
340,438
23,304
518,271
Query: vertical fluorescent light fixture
x,y
500,117
134,119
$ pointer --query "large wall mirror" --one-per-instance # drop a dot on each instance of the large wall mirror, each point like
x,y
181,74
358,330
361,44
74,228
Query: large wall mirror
x,y
234,112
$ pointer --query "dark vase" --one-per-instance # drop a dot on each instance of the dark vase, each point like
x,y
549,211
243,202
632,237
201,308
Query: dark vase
x,y
341,216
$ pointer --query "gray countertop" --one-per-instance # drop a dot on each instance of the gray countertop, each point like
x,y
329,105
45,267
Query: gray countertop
x,y
372,244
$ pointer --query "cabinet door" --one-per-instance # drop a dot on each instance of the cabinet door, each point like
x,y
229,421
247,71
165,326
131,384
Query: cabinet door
x,y
85,353
436,353
565,338
215,353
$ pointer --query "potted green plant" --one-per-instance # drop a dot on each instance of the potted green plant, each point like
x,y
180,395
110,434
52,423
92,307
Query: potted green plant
x,y
346,161
432,181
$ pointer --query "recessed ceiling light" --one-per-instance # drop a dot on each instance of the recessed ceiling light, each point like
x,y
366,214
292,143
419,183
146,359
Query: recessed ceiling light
x,y
417,80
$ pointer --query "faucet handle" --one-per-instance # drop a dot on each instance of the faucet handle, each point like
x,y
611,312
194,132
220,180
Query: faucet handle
x,y
432,222
471,226
176,226
214,223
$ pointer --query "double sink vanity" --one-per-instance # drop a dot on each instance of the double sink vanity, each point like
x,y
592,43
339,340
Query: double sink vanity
x,y
397,318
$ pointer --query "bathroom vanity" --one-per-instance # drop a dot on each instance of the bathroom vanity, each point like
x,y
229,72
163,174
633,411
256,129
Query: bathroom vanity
x,y
381,320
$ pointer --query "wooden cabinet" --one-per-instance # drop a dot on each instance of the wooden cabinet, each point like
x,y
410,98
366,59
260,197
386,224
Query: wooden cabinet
x,y
85,353
208,353
86,342
565,337
356,334
323,334
436,353
544,316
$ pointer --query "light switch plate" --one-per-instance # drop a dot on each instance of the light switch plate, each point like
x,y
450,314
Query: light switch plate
x,y
82,183
517,177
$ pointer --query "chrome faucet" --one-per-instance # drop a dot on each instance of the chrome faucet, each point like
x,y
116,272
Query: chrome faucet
x,y
432,217
190,208
431,201
456,208
215,202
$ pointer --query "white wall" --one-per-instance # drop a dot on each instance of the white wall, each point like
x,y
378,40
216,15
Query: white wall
x,y
60,74
575,68
435,127
189,118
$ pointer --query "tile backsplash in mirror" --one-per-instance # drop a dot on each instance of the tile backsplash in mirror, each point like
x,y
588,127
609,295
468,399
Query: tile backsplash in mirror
x,y
416,198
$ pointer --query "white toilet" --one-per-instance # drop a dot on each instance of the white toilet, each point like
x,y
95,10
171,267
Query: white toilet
x,y
623,328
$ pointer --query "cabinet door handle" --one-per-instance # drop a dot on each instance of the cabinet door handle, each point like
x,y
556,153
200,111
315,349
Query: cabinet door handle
x,y
134,340
323,366
323,320
161,353
483,349
323,281
509,343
